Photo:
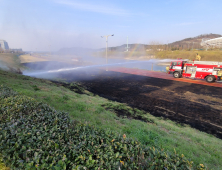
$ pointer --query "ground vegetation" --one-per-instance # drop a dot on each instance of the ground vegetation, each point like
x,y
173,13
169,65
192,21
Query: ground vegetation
x,y
91,109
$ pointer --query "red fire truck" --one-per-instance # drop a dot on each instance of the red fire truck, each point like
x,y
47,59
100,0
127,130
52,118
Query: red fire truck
x,y
209,70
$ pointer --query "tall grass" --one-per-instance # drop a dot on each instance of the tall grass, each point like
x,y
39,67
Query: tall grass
x,y
215,55
210,55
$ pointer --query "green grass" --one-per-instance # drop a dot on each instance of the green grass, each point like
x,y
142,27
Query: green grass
x,y
200,147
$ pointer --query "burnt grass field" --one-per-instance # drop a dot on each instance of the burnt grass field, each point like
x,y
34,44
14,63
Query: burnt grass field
x,y
197,105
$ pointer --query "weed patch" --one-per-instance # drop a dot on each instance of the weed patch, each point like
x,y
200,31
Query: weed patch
x,y
65,97
124,111
99,110
35,88
80,107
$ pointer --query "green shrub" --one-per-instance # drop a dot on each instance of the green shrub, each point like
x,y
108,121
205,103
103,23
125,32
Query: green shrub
x,y
2,165
35,136
6,92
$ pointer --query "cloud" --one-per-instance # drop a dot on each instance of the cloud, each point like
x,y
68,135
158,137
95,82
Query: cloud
x,y
94,8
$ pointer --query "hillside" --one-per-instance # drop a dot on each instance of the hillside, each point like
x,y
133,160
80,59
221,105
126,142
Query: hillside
x,y
88,108
193,42
185,44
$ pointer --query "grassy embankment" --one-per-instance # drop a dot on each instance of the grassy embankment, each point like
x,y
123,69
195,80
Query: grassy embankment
x,y
198,146
10,62
126,55
26,58
215,55
211,55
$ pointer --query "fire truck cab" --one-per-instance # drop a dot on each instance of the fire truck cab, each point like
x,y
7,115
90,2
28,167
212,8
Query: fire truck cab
x,y
209,70
176,68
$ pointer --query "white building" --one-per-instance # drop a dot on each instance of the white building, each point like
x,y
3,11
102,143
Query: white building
x,y
214,43
4,45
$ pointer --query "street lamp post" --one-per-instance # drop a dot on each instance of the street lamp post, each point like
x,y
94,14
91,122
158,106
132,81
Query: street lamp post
x,y
106,36
50,54
167,45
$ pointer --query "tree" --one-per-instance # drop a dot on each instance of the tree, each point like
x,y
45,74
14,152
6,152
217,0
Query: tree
x,y
156,46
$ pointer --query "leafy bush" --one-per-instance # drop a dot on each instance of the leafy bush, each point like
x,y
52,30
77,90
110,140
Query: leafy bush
x,y
35,136
6,92
2,165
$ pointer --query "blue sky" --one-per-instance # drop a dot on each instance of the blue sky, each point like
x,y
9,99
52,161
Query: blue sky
x,y
45,24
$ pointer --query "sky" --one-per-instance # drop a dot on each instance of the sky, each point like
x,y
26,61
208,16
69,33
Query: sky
x,y
44,25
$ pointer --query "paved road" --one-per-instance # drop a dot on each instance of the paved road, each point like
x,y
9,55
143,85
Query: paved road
x,y
162,75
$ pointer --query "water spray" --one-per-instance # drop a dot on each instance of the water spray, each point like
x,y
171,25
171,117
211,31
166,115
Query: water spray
x,y
152,61
79,68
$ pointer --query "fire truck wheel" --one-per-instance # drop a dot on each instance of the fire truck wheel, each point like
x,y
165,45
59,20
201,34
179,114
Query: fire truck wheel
x,y
210,79
176,74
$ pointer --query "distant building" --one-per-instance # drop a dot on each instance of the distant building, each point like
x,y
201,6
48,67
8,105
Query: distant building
x,y
4,45
16,50
215,43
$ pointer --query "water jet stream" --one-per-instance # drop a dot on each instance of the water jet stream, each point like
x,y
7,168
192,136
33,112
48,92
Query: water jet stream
x,y
83,67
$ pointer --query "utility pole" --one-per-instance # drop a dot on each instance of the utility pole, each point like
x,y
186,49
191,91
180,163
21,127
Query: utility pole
x,y
50,56
127,47
167,45
106,36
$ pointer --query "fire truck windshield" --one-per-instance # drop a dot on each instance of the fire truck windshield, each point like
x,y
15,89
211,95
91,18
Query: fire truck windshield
x,y
173,64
